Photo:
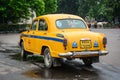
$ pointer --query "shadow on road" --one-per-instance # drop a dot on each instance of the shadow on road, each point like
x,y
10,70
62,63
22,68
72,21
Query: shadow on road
x,y
70,70
65,72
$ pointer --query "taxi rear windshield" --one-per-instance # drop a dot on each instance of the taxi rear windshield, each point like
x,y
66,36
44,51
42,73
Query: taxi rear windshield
x,y
70,23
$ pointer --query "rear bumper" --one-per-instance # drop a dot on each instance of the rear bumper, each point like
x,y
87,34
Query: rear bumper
x,y
83,54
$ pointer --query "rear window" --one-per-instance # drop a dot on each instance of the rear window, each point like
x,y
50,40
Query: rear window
x,y
70,23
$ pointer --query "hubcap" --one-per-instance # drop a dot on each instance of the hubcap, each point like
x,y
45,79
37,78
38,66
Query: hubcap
x,y
48,59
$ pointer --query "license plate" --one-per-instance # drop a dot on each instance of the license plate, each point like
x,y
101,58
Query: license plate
x,y
85,44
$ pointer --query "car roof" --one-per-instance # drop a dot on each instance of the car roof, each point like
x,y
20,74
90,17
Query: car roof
x,y
51,18
59,16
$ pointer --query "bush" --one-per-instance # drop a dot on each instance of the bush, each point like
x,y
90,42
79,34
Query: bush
x,y
13,27
109,25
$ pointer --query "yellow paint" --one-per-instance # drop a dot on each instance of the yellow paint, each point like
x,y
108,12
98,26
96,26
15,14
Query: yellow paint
x,y
35,44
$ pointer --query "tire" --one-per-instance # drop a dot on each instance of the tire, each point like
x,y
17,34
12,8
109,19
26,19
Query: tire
x,y
87,61
48,60
23,53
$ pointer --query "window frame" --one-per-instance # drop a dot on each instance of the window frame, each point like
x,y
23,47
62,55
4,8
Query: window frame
x,y
44,27
69,27
35,27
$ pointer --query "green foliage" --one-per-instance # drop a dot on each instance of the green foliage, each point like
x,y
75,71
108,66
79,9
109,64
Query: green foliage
x,y
68,6
50,6
12,27
91,8
98,9
37,5
13,10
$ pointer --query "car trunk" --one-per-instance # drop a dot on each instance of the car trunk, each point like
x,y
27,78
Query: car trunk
x,y
82,40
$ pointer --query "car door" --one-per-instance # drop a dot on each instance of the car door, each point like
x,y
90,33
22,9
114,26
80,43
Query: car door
x,y
41,34
32,34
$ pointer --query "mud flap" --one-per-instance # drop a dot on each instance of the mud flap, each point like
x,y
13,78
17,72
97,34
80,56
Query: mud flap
x,y
95,59
56,62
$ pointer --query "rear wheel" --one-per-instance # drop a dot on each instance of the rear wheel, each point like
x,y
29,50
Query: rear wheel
x,y
87,61
23,53
48,60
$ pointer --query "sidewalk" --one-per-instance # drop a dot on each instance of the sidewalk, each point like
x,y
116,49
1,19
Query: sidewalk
x,y
9,48
9,42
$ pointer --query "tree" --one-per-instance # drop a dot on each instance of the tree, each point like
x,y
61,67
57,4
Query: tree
x,y
13,10
38,6
50,6
68,6
115,6
100,9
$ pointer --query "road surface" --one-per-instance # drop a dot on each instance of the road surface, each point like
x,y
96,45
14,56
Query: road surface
x,y
12,68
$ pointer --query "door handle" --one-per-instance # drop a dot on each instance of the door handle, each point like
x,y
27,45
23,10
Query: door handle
x,y
33,33
45,33
29,42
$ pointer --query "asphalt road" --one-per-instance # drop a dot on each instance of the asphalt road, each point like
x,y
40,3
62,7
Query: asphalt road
x,y
12,68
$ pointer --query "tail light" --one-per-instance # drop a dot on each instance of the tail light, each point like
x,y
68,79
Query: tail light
x,y
104,42
65,43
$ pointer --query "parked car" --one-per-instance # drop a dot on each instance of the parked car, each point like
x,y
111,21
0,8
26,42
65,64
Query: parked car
x,y
57,36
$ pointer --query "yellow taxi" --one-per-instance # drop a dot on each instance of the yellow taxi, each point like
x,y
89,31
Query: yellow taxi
x,y
57,36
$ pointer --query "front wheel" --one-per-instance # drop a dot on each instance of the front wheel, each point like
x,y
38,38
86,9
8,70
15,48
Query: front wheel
x,y
23,53
48,60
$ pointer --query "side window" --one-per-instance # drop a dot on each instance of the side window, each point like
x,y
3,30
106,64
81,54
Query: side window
x,y
43,25
34,25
